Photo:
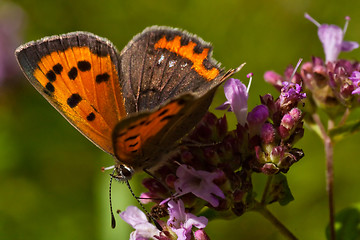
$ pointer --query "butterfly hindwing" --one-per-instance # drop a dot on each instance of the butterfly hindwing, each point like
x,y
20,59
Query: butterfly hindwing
x,y
141,139
161,63
78,74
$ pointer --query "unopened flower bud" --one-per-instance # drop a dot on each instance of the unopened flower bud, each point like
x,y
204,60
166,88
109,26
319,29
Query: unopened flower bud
x,y
268,133
296,114
256,118
287,121
201,235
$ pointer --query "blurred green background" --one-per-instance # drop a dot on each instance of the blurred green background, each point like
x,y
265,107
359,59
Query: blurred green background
x,y
51,186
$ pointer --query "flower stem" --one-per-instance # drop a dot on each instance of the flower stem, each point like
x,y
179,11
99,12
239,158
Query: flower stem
x,y
344,117
266,189
329,155
269,216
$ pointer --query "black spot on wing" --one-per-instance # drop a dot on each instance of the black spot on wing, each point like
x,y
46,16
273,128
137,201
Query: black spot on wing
x,y
133,145
184,41
132,127
102,78
168,117
50,87
57,68
163,112
50,75
74,100
198,49
131,138
84,66
90,117
208,64
73,73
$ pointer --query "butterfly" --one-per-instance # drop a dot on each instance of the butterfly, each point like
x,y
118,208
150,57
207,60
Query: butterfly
x,y
135,104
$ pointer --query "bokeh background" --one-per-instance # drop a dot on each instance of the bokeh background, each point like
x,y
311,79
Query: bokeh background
x,y
51,186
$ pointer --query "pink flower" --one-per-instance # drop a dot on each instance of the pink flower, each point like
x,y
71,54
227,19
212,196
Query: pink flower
x,y
138,220
332,38
291,93
237,96
181,222
198,182
355,78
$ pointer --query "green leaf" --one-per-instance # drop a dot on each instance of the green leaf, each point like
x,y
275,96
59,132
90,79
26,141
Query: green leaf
x,y
278,190
339,133
347,224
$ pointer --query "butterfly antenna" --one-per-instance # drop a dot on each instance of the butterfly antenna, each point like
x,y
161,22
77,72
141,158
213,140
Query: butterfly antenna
x,y
113,222
142,206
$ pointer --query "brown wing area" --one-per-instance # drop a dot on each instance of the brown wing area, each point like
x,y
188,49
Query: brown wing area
x,y
81,84
162,63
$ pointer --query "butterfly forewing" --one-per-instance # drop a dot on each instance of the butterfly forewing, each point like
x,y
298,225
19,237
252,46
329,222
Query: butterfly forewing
x,y
78,74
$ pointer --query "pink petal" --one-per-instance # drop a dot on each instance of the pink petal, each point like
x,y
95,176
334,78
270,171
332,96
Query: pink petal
x,y
198,182
223,106
237,96
331,36
133,216
356,91
348,46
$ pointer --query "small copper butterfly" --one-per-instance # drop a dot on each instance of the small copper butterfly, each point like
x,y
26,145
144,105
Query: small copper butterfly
x,y
134,104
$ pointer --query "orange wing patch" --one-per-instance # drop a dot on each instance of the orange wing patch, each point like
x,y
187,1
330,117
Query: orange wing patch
x,y
130,141
86,89
187,51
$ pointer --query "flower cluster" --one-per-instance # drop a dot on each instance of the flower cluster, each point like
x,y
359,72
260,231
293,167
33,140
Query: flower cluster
x,y
331,84
209,174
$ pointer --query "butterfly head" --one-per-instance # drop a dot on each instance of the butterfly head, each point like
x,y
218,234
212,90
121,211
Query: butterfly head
x,y
123,173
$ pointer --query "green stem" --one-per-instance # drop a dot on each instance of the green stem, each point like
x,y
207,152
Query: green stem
x,y
269,216
344,117
329,155
266,190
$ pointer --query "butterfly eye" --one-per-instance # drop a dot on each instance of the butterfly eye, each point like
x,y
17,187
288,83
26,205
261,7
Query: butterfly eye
x,y
124,172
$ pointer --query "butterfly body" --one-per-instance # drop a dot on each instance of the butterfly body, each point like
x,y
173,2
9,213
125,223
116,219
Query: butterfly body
x,y
133,105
